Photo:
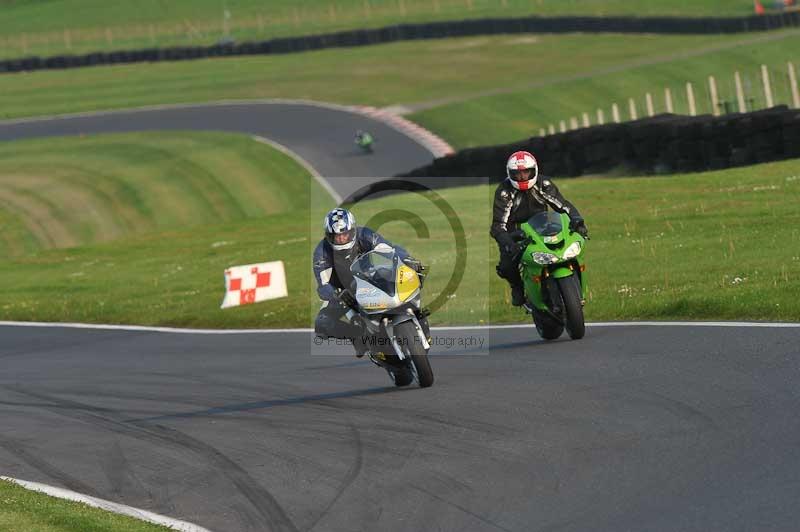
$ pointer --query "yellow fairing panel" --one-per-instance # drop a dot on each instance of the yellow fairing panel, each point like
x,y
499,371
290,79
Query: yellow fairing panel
x,y
407,282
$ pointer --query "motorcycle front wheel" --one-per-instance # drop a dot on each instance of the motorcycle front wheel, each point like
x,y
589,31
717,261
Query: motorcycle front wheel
x,y
570,288
410,342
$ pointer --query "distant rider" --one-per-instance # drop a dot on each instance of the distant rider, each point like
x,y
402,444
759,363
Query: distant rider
x,y
363,139
521,195
344,242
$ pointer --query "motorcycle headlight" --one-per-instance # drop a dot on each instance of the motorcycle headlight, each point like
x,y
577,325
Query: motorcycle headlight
x,y
544,258
573,250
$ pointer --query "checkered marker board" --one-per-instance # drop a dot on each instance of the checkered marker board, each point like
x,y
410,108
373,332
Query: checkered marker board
x,y
253,283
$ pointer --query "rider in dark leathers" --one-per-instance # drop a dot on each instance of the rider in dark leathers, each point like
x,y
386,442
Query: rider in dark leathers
x,y
520,196
344,242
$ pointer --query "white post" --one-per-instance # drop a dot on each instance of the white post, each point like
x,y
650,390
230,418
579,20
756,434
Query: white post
x,y
615,113
712,89
551,129
586,122
767,87
601,117
690,98
632,109
542,132
668,100
739,92
562,126
650,108
573,123
793,86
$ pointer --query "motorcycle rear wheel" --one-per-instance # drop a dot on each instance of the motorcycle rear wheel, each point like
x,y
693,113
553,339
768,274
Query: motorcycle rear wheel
x,y
547,327
401,377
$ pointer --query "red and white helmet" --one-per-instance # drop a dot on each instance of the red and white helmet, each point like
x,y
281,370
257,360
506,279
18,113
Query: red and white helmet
x,y
522,170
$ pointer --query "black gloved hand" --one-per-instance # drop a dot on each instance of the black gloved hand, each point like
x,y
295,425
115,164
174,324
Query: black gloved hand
x,y
578,226
348,299
507,244
414,264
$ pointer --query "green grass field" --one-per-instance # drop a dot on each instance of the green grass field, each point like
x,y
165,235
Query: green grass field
x,y
33,27
514,115
72,191
614,67
700,246
28,511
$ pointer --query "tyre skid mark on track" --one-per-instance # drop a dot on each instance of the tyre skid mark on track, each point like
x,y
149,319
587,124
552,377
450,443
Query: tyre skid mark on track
x,y
20,450
349,478
467,511
262,501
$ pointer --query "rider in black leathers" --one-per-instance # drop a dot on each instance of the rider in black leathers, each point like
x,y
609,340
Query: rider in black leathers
x,y
344,242
520,196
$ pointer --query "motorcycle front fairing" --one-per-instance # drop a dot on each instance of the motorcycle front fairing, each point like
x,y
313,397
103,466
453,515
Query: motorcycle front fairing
x,y
388,293
552,252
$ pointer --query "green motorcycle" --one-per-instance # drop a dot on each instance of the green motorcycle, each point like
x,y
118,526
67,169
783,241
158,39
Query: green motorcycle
x,y
552,270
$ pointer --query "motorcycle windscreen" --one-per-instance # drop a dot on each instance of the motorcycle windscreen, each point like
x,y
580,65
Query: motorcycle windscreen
x,y
378,268
546,223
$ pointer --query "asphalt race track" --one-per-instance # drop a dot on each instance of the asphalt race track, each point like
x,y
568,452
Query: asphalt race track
x,y
632,428
323,136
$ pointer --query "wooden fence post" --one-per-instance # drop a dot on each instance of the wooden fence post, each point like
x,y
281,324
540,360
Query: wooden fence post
x,y
668,100
690,98
739,92
651,111
601,117
615,113
632,109
712,90
793,86
767,86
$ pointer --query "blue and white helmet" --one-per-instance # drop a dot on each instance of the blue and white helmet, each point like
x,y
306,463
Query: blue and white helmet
x,y
340,229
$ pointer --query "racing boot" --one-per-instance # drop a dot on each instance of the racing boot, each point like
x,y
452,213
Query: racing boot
x,y
517,295
361,348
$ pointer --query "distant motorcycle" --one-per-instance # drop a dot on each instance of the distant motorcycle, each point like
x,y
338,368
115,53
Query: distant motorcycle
x,y
553,273
389,294
364,141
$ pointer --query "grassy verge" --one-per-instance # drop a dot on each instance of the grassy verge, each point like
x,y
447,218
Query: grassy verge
x,y
721,245
80,190
25,510
406,72
32,27
508,117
